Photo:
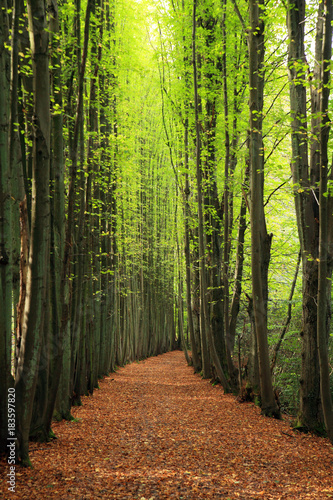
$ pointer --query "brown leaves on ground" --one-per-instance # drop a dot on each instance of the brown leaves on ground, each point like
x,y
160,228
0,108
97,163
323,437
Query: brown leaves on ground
x,y
156,431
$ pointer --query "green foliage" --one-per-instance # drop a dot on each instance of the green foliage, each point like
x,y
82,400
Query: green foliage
x,y
129,186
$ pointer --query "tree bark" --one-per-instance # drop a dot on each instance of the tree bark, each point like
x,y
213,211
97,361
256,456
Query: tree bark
x,y
305,178
235,302
38,272
287,321
325,219
194,346
16,167
260,239
51,368
206,331
6,281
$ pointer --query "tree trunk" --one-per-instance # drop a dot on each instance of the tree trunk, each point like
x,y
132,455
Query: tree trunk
x,y
187,209
326,220
287,321
194,346
305,178
38,272
253,361
261,241
52,349
16,166
57,218
6,281
235,302
51,368
204,311
21,233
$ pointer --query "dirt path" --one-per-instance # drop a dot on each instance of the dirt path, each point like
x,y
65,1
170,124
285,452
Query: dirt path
x,y
156,431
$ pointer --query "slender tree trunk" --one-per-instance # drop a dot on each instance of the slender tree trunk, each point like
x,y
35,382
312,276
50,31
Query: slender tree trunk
x,y
287,321
6,281
235,302
230,331
94,170
187,211
206,368
25,109
16,165
194,347
77,156
21,233
108,162
253,361
180,292
227,202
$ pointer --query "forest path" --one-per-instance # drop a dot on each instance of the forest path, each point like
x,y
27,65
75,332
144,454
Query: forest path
x,y
155,431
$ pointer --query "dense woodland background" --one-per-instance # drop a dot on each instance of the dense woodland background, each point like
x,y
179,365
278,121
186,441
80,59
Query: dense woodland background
x,y
166,181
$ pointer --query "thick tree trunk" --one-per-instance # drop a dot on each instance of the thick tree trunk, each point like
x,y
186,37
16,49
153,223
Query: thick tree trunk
x,y
324,301
261,241
326,220
218,297
205,325
52,346
306,177
38,272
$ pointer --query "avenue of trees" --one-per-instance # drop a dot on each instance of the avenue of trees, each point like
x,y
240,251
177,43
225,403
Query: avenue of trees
x,y
165,181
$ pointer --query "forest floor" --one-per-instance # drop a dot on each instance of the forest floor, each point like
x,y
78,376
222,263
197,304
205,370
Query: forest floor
x,y
156,431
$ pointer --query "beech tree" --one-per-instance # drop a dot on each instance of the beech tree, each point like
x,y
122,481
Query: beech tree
x,y
5,228
325,219
260,239
308,174
38,271
128,141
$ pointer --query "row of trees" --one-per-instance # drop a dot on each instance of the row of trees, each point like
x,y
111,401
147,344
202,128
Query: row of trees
x,y
88,214
234,109
138,142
